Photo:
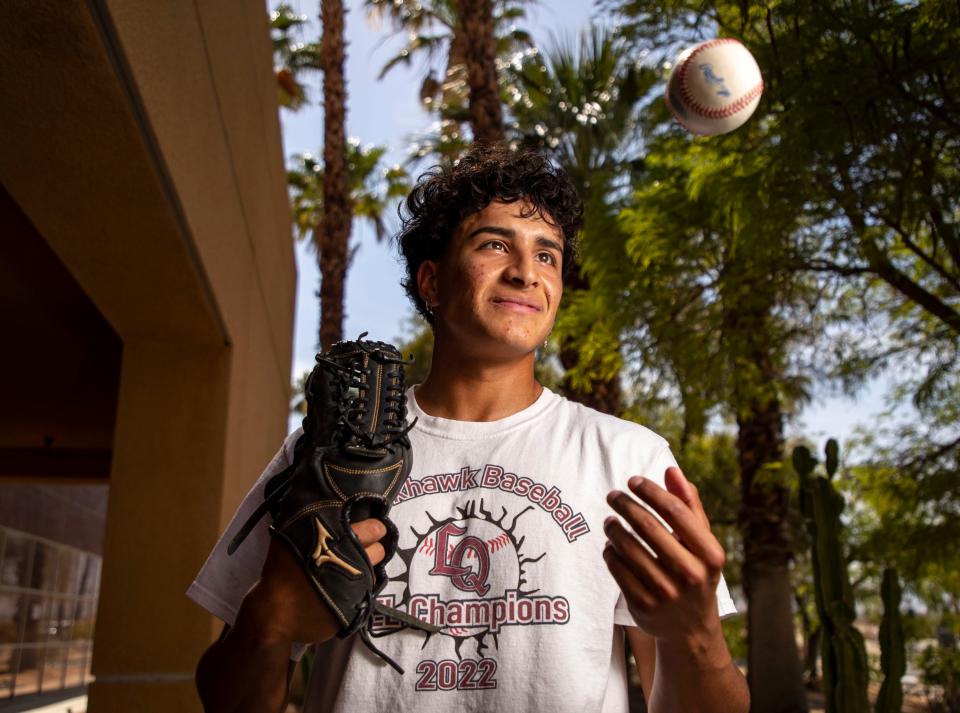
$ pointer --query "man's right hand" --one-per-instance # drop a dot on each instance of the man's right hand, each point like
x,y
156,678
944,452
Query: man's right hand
x,y
284,606
248,668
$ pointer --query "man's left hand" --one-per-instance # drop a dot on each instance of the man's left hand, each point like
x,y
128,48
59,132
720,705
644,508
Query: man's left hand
x,y
671,593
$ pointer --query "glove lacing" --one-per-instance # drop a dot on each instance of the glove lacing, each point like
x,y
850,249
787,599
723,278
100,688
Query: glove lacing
x,y
352,412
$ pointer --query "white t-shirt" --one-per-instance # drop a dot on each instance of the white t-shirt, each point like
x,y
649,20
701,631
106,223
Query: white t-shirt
x,y
501,535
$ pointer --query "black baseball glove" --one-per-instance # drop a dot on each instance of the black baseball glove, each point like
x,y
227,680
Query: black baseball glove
x,y
349,464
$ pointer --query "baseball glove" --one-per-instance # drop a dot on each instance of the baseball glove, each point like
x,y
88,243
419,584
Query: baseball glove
x,y
352,459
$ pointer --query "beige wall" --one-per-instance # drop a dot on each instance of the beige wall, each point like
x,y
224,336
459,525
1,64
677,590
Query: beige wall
x,y
149,158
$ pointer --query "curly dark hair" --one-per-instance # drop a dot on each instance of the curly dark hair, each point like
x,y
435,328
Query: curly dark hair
x,y
448,194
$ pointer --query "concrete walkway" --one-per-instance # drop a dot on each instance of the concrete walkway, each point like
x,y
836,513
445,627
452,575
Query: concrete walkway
x,y
72,701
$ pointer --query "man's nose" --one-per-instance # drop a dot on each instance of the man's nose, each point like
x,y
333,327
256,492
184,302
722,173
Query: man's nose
x,y
522,270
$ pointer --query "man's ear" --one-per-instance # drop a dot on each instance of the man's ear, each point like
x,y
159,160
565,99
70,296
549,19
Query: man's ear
x,y
427,282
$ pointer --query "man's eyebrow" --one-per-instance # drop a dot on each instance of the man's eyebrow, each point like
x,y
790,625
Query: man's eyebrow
x,y
542,241
548,243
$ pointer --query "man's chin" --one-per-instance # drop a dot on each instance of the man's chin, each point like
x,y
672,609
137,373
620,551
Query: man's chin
x,y
515,348
500,345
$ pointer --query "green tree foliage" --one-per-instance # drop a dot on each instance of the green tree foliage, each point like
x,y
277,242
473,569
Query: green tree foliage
x,y
862,103
941,668
292,57
705,287
908,512
577,102
417,344
831,216
708,308
373,187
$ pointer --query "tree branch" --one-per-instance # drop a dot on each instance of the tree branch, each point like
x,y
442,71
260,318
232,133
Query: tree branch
x,y
881,265
916,250
886,271
832,267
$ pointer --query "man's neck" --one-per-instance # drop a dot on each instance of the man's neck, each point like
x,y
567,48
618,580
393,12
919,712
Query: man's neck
x,y
465,389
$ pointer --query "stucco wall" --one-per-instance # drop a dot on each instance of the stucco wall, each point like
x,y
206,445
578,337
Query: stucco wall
x,y
148,156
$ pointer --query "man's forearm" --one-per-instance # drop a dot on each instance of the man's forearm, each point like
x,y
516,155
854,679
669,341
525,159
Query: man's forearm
x,y
248,669
698,676
243,673
241,676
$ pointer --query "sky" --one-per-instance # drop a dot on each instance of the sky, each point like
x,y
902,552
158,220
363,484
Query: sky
x,y
388,113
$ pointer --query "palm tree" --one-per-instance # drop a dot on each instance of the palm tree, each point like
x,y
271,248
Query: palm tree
x,y
578,103
478,26
355,185
434,33
370,188
291,58
337,216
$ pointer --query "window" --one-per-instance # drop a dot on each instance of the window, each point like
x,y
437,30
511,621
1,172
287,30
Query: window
x,y
48,601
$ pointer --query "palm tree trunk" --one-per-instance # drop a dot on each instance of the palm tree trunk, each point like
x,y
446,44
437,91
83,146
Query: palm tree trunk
x,y
486,115
604,396
774,673
334,230
774,669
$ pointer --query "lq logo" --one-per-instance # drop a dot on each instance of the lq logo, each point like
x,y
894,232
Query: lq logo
x,y
468,576
448,560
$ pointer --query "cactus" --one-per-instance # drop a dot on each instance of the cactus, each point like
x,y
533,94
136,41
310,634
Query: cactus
x,y
893,659
843,654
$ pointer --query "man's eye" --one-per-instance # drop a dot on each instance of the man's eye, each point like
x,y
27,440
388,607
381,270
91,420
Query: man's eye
x,y
495,244
547,258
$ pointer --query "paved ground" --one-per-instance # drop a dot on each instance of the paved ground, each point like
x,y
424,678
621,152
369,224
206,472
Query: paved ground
x,y
72,701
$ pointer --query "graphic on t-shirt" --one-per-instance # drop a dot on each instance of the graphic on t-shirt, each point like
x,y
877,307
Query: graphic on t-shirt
x,y
471,575
549,499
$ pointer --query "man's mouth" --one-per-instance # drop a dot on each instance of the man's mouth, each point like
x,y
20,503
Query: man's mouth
x,y
517,304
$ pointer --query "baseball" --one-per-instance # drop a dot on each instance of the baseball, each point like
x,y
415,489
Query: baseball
x,y
714,87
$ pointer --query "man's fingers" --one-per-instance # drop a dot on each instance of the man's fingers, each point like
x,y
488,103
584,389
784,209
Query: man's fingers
x,y
369,531
680,552
692,529
670,553
633,589
678,485
642,563
375,553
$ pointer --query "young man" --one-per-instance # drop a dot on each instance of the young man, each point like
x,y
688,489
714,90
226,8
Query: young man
x,y
509,535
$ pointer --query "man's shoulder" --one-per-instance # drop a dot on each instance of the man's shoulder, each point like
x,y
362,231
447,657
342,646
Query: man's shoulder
x,y
586,419
289,443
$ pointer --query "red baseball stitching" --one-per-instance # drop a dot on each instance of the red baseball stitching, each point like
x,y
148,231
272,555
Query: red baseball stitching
x,y
708,112
500,541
